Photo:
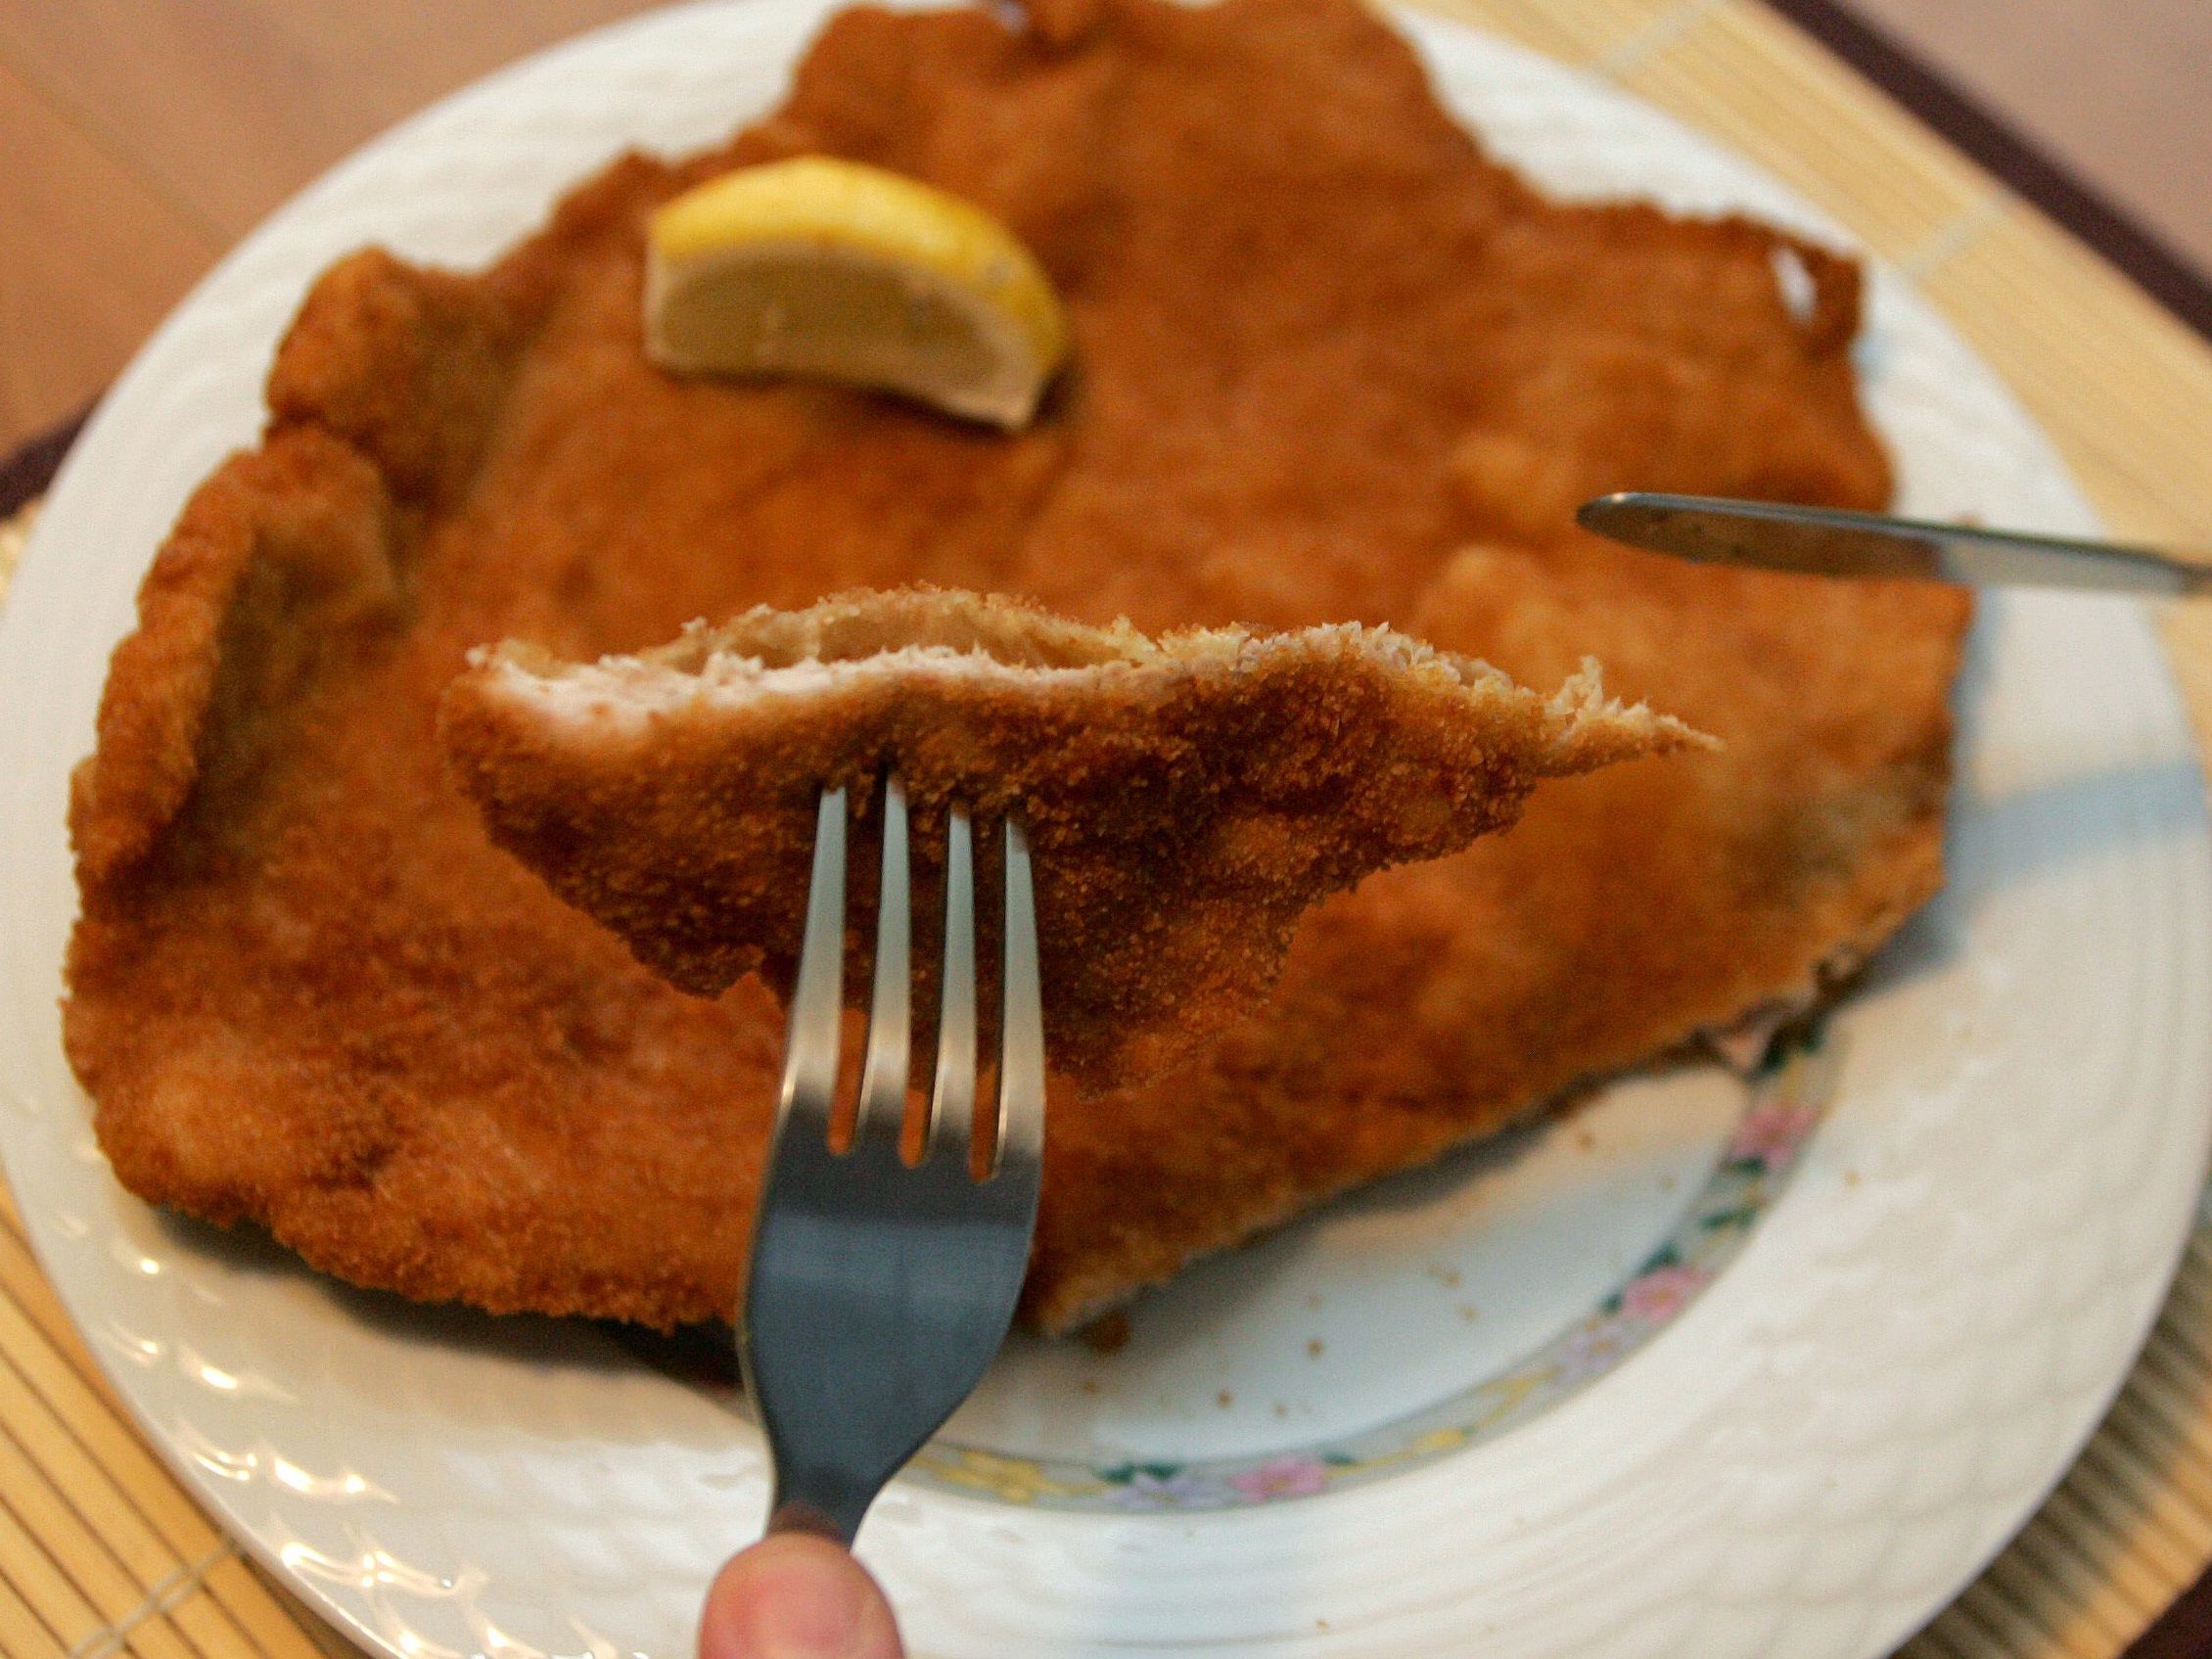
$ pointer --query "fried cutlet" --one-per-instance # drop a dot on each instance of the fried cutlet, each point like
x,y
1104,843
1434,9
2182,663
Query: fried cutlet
x,y
1184,799
1331,364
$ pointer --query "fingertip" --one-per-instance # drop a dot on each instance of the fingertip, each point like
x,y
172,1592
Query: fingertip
x,y
797,1596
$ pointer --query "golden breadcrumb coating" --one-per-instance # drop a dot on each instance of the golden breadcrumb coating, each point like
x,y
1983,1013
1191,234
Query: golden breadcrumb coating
x,y
1184,799
1331,364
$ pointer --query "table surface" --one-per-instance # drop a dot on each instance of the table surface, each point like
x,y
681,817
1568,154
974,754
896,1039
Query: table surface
x,y
2121,90
141,138
144,137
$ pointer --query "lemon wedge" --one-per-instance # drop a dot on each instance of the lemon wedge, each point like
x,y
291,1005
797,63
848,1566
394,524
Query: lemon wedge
x,y
837,271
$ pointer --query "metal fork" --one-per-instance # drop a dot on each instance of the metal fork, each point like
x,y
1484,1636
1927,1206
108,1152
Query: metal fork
x,y
879,1291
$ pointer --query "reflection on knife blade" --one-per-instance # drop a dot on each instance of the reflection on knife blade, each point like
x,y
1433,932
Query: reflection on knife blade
x,y
1824,541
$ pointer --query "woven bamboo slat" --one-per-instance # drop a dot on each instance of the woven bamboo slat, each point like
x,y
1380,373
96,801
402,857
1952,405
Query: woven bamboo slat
x,y
104,1554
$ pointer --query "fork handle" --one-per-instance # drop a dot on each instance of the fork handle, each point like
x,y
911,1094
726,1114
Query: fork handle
x,y
832,1515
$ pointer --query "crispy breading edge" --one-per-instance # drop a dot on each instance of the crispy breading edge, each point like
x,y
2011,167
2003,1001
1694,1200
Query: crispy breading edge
x,y
1184,805
285,561
213,612
383,391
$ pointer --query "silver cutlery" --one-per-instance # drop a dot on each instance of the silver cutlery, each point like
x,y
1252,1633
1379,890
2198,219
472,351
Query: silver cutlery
x,y
879,1291
1825,541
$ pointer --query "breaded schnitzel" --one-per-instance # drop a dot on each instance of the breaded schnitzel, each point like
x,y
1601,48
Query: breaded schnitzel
x,y
1184,799
1330,364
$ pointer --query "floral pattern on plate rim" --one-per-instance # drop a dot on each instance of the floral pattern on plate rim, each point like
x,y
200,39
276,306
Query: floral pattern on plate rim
x,y
1787,1098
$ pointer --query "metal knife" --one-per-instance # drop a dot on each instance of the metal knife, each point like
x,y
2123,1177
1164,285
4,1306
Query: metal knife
x,y
1713,529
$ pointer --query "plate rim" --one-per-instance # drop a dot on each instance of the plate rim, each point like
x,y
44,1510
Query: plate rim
x,y
214,1497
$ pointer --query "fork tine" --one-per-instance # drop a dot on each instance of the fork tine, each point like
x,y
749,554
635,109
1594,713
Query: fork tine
x,y
891,1013
1021,1028
876,1295
817,997
952,1102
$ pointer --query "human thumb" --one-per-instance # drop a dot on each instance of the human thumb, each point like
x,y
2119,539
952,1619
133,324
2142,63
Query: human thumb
x,y
797,1596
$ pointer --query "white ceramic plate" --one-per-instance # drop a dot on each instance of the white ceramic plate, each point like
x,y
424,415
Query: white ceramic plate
x,y
1498,1404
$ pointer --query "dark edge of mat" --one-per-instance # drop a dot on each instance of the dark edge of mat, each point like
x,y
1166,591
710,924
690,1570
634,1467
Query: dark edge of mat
x,y
2024,166
24,475
2184,1632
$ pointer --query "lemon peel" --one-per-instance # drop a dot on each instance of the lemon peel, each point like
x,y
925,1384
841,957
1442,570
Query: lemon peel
x,y
830,269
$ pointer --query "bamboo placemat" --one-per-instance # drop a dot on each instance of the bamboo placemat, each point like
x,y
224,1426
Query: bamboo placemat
x,y
103,1553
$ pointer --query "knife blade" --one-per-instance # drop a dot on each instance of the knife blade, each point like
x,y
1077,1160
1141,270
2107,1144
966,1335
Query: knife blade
x,y
1714,529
